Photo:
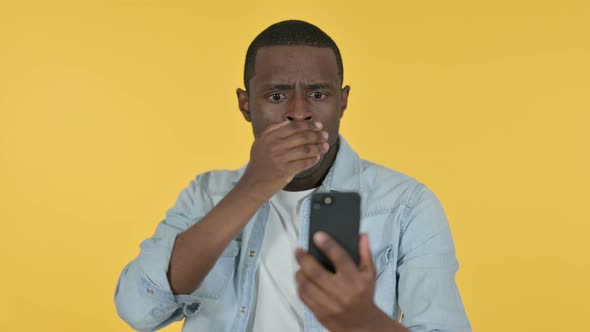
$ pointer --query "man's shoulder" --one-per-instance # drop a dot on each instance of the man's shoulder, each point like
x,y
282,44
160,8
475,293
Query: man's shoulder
x,y
389,186
219,181
374,174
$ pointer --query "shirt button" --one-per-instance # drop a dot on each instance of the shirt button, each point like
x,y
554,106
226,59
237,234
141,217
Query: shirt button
x,y
150,291
252,253
242,309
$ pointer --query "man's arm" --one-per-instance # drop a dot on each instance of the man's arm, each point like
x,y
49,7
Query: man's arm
x,y
197,249
174,262
427,292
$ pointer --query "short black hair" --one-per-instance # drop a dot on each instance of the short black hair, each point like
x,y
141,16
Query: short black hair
x,y
290,33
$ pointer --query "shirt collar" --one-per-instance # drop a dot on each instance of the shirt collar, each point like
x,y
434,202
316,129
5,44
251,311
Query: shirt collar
x,y
344,175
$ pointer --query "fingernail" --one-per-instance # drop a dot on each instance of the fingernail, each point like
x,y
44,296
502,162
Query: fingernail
x,y
326,146
320,238
319,125
325,134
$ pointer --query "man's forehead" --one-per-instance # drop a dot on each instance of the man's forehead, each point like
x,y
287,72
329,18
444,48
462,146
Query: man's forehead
x,y
294,47
294,53
295,65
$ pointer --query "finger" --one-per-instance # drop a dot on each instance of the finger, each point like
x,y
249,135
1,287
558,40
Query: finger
x,y
297,166
314,297
366,263
338,256
305,151
295,127
318,274
273,127
303,138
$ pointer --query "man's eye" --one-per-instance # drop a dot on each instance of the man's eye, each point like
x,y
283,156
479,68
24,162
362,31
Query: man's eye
x,y
276,97
318,95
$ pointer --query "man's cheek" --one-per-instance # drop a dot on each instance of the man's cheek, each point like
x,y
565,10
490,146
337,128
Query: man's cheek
x,y
333,135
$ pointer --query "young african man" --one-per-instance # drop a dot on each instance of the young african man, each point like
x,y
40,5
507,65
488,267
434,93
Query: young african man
x,y
228,255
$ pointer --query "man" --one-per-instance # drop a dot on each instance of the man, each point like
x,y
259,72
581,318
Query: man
x,y
228,255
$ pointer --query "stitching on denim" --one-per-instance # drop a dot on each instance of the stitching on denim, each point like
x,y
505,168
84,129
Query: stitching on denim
x,y
381,210
437,233
408,198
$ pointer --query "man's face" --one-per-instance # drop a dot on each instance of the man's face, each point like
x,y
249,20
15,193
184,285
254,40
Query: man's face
x,y
296,83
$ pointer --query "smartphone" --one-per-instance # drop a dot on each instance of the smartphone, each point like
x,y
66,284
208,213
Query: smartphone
x,y
338,214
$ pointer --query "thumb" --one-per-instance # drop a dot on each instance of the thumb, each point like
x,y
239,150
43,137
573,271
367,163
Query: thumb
x,y
366,258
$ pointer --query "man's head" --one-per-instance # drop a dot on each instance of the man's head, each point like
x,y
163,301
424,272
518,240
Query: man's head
x,y
289,33
293,72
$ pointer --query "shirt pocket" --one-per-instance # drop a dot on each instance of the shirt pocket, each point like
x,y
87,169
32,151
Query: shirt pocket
x,y
222,273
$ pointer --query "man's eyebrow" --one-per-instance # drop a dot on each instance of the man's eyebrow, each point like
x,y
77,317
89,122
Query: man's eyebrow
x,y
319,85
278,86
310,86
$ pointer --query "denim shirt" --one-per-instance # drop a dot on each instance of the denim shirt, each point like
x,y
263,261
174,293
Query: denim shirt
x,y
409,235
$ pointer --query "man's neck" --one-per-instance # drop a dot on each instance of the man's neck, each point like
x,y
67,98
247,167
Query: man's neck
x,y
315,178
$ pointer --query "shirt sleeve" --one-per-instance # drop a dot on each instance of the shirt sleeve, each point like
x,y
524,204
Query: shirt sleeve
x,y
427,292
143,296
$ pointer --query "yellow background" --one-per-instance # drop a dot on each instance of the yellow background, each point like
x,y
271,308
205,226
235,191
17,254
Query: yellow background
x,y
109,108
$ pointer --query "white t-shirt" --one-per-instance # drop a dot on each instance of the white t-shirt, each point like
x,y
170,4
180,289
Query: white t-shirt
x,y
278,307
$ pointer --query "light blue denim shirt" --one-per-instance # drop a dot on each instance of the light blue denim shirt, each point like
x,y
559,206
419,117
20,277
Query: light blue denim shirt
x,y
409,234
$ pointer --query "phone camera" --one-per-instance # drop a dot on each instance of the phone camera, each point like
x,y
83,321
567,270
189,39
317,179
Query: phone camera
x,y
316,206
327,200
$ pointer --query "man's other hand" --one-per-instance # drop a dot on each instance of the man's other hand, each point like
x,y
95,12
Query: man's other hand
x,y
342,301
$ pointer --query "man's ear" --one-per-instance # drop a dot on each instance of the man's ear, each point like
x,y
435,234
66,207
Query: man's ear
x,y
344,99
244,104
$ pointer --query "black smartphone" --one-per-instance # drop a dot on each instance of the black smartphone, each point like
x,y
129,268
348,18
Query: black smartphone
x,y
338,214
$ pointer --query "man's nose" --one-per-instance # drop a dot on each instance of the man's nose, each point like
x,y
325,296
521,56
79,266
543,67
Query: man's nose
x,y
298,110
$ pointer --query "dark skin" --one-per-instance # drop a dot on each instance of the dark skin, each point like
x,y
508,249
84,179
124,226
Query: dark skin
x,y
295,103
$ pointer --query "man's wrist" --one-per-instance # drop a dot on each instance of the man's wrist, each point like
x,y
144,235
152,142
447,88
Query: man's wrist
x,y
381,322
248,192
